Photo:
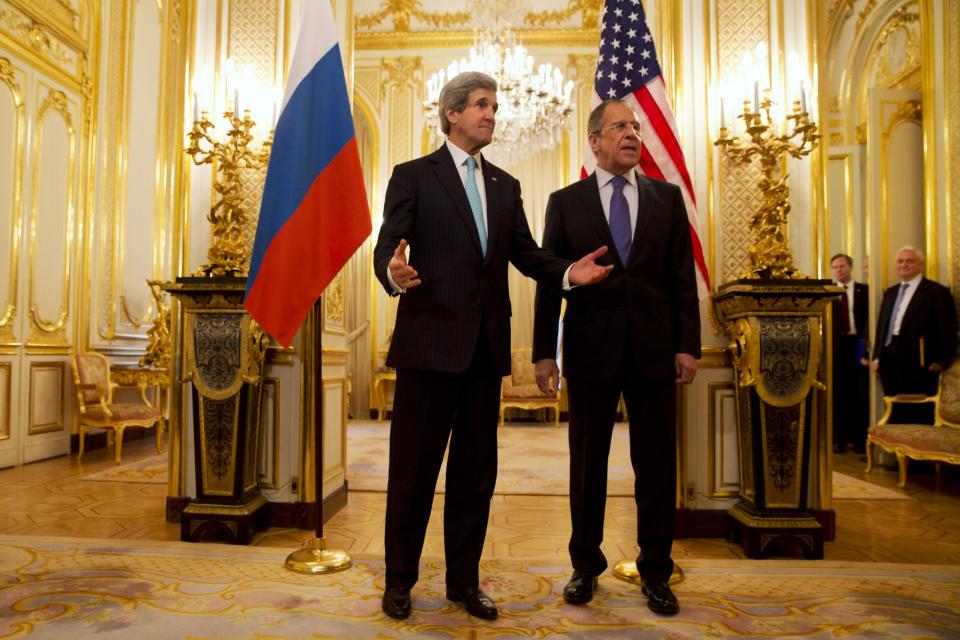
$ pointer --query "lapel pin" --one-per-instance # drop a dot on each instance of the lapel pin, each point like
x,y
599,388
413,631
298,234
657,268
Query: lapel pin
x,y
493,178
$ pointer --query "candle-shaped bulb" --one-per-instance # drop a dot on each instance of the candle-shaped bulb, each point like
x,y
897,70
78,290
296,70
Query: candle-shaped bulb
x,y
196,108
756,96
723,115
236,102
803,98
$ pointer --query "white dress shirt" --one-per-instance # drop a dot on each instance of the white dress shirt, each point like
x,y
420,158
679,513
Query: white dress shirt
x,y
629,191
907,297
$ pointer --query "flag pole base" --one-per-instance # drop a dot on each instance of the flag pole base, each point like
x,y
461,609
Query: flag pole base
x,y
626,570
314,557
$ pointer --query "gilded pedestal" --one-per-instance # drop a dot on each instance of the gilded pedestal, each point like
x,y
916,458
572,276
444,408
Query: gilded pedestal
x,y
777,330
222,354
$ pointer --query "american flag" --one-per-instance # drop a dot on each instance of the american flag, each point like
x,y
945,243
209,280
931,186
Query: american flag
x,y
627,68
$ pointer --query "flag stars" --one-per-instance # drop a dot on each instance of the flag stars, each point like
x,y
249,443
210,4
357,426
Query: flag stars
x,y
625,82
646,54
611,93
616,44
616,28
612,76
632,33
629,49
628,66
633,16
647,37
614,60
643,71
618,12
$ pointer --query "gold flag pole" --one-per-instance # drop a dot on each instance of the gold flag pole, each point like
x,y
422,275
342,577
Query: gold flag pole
x,y
314,557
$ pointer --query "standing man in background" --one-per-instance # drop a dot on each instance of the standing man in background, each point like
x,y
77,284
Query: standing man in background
x,y
637,333
916,336
463,220
850,377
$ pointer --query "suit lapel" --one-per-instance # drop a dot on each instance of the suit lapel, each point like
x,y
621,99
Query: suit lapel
x,y
494,193
643,216
593,208
449,177
913,309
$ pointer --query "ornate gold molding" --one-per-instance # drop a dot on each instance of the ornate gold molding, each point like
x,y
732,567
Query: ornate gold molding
x,y
43,331
400,71
35,36
400,11
909,110
8,77
589,10
838,12
864,14
567,38
334,305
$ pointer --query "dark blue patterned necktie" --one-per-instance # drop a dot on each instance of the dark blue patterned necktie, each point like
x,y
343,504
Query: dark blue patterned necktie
x,y
620,219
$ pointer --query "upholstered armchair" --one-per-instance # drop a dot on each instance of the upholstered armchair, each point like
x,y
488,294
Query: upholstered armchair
x,y
91,376
520,390
938,443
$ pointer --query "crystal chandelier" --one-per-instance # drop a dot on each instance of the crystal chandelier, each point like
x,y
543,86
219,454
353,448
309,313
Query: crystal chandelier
x,y
533,107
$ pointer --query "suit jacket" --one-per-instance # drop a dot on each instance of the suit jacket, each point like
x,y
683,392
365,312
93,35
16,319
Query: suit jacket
x,y
648,306
861,297
439,321
931,315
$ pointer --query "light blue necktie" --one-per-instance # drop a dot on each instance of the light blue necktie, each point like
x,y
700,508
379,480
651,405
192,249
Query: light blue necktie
x,y
475,205
620,219
893,316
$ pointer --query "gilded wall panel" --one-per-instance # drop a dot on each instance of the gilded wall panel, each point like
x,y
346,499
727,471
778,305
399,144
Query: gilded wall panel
x,y
140,245
52,216
268,451
253,43
46,397
6,399
39,39
741,26
114,82
723,461
952,111
12,123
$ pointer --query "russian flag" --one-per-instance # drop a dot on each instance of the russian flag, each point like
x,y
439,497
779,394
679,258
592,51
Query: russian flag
x,y
314,213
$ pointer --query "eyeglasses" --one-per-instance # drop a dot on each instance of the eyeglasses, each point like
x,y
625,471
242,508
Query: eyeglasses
x,y
619,127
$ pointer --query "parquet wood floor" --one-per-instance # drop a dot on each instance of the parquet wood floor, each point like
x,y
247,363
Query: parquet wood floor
x,y
48,498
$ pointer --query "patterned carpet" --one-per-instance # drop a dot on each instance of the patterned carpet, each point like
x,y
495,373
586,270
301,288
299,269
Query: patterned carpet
x,y
533,461
62,588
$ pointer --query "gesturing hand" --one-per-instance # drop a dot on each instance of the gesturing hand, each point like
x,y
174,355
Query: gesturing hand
x,y
587,271
404,276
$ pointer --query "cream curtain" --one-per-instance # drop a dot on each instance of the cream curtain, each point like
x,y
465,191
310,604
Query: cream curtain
x,y
358,281
539,176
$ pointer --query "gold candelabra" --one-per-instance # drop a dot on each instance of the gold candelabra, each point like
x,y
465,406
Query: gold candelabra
x,y
769,253
228,252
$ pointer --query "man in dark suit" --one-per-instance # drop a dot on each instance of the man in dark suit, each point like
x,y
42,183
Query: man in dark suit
x,y
637,333
916,336
850,376
463,219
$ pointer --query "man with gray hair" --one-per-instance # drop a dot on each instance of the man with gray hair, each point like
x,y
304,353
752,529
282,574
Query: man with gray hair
x,y
916,336
463,220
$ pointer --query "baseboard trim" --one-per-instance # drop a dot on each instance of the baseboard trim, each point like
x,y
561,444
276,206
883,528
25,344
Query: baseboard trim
x,y
295,515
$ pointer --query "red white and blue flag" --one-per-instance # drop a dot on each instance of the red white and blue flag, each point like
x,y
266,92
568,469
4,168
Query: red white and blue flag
x,y
628,69
314,213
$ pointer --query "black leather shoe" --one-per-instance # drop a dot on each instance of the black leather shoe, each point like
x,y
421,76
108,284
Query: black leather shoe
x,y
580,588
476,602
660,598
396,603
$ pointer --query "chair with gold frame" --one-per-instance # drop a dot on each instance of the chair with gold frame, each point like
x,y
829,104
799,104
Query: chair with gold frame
x,y
937,443
91,376
520,390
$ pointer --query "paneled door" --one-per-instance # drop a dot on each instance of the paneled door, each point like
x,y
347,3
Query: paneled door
x,y
41,176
